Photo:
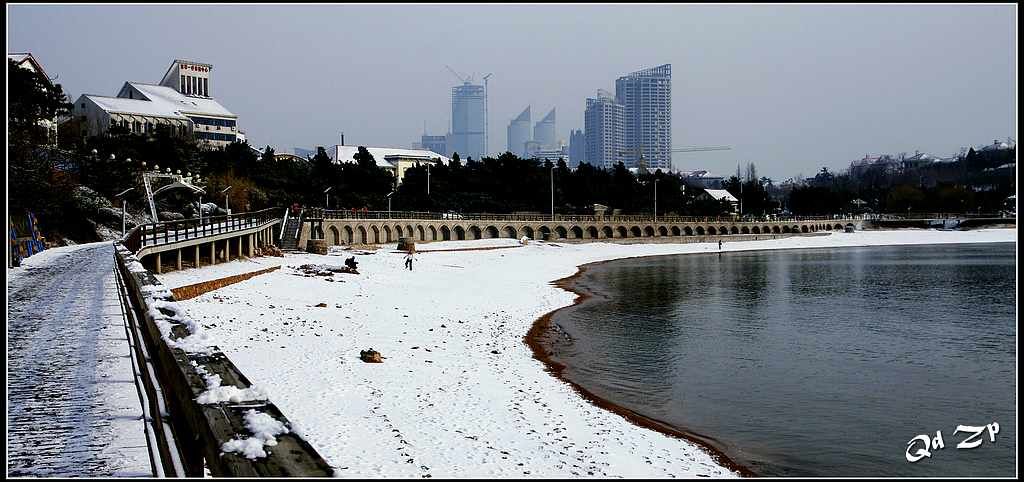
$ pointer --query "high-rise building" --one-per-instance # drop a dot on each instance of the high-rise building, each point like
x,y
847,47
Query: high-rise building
x,y
544,131
577,147
519,133
604,130
468,121
646,96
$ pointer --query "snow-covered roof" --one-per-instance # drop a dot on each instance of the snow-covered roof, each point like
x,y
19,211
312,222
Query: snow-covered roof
x,y
21,57
720,195
380,154
158,101
185,104
120,105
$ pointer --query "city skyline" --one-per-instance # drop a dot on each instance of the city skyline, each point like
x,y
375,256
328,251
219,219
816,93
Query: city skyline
x,y
876,79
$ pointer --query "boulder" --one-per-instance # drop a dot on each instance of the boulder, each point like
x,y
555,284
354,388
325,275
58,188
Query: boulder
x,y
371,356
271,250
170,216
87,200
109,217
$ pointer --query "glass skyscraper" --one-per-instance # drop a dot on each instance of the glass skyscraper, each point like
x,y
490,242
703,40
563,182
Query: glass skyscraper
x,y
468,110
646,96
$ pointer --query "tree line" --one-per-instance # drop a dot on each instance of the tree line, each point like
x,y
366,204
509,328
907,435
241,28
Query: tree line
x,y
40,176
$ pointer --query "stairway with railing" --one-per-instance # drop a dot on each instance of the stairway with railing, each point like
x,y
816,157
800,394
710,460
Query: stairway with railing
x,y
290,231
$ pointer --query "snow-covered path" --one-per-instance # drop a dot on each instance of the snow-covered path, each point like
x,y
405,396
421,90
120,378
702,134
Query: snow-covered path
x,y
72,406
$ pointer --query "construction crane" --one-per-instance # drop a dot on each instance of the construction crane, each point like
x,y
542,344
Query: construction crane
x,y
465,79
642,164
486,95
700,148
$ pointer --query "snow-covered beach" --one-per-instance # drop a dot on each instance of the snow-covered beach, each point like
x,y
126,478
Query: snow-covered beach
x,y
459,393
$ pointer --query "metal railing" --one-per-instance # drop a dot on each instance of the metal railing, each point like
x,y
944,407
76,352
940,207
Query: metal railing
x,y
164,454
186,437
913,215
165,232
317,213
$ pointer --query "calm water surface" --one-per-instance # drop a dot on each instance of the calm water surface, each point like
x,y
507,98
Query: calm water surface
x,y
810,362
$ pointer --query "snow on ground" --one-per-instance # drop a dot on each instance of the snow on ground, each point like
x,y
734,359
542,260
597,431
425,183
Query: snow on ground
x,y
459,393
72,405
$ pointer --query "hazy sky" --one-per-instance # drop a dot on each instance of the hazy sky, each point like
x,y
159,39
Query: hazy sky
x,y
789,87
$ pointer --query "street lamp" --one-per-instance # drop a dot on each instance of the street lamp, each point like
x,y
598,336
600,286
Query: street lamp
x,y
552,193
388,197
428,179
327,198
225,193
124,205
656,200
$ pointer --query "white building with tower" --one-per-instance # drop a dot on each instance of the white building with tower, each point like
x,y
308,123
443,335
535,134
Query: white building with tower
x,y
181,103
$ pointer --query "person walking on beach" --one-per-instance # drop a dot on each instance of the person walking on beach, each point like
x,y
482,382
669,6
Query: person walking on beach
x,y
409,257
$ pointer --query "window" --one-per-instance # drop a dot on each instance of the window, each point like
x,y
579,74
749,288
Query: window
x,y
206,87
182,85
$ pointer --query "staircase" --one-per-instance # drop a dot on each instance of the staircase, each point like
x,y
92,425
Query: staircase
x,y
289,234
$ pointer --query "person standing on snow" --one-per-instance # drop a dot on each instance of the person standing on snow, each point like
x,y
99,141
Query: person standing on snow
x,y
409,257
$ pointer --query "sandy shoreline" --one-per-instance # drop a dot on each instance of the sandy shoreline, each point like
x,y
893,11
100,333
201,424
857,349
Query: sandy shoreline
x,y
539,338
460,393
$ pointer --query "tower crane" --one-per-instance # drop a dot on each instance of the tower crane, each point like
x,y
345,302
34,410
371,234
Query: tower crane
x,y
464,78
486,95
642,164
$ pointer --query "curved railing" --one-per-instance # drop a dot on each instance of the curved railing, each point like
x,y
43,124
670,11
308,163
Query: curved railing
x,y
165,232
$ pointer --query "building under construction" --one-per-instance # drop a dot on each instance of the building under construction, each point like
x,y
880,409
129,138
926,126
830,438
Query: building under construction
x,y
469,125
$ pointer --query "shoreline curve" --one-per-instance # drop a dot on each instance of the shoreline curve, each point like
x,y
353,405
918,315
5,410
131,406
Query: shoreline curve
x,y
534,338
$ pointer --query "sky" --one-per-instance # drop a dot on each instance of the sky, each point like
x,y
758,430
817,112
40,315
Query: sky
x,y
791,88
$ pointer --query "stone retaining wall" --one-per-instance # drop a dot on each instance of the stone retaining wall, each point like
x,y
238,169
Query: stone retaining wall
x,y
193,290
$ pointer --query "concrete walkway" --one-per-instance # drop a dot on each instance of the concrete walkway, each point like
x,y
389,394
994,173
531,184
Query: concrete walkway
x,y
72,405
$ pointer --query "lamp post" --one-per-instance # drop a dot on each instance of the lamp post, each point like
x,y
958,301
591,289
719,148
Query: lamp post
x,y
552,193
327,198
655,200
225,193
388,197
200,209
428,179
124,205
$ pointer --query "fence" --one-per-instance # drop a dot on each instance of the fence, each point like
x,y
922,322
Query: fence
x,y
165,232
186,437
317,213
